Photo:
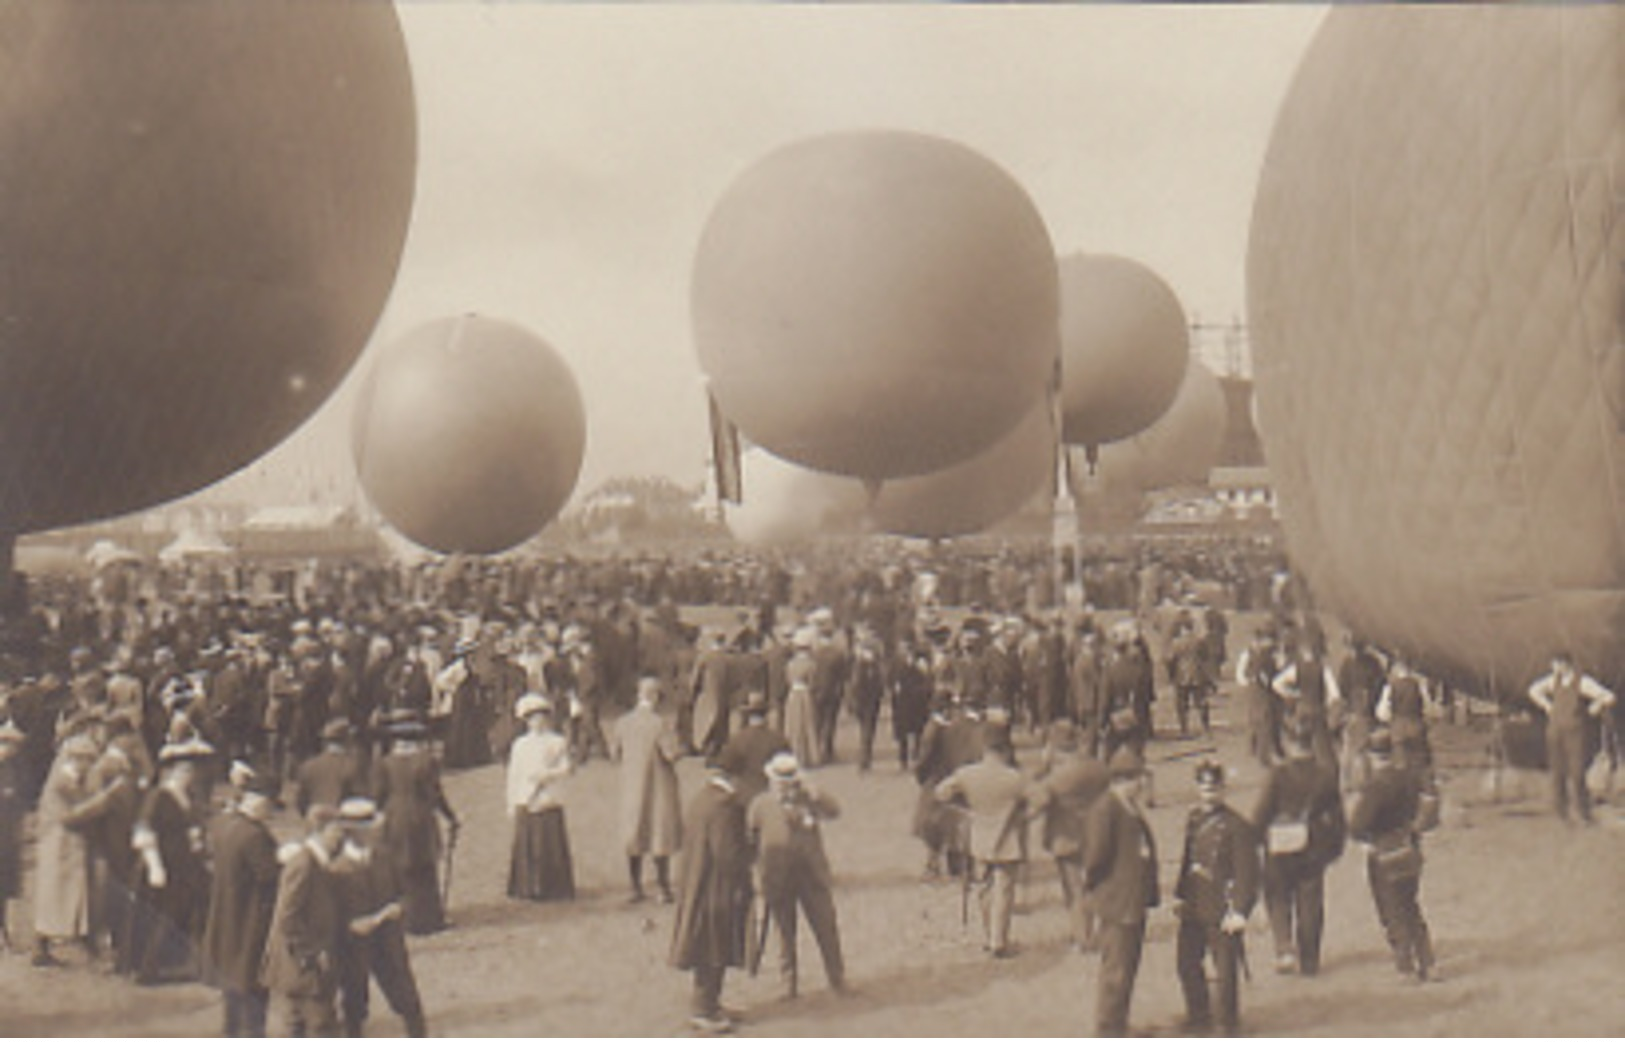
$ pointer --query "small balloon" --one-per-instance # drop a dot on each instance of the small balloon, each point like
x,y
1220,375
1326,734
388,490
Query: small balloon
x,y
1124,346
468,434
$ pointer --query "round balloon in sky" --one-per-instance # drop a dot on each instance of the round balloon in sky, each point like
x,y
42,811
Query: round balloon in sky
x,y
1124,344
1434,298
877,303
468,434
202,207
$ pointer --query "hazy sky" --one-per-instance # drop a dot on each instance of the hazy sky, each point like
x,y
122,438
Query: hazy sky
x,y
570,154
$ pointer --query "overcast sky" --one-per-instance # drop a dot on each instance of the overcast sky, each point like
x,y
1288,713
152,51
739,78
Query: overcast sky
x,y
570,154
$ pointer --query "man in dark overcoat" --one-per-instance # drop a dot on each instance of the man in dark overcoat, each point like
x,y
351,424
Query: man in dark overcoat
x,y
714,894
1120,880
242,898
332,775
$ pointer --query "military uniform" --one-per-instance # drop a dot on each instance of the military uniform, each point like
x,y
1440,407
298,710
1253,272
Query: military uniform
x,y
1218,878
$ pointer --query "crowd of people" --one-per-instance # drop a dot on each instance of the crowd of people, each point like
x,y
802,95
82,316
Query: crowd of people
x,y
155,721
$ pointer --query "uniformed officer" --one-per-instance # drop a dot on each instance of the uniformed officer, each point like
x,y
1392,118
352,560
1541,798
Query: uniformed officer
x,y
1217,887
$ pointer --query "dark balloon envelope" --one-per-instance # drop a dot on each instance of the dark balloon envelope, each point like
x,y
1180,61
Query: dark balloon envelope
x,y
977,493
1124,345
468,434
1434,297
877,304
1179,449
202,207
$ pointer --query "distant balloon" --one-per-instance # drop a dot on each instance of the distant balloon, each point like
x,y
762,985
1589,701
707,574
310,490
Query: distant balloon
x,y
787,503
468,435
877,304
202,206
1124,344
1435,302
968,497
1179,449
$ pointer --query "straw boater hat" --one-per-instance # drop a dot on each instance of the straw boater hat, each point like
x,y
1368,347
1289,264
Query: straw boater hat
x,y
191,750
10,733
336,730
783,767
530,704
358,812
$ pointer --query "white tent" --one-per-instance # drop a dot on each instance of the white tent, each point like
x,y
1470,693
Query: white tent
x,y
104,553
192,545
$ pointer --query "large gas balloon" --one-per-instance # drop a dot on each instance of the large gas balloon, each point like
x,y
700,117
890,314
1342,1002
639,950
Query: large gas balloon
x,y
1124,345
968,497
787,503
876,304
468,435
1434,298
202,206
1179,449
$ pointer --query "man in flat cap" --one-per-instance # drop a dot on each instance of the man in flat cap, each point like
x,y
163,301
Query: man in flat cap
x,y
1120,880
1216,890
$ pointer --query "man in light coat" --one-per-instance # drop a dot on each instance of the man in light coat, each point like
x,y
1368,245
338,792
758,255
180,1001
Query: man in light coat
x,y
994,795
647,747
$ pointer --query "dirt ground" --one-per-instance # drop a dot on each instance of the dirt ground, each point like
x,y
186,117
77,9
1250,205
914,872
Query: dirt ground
x,y
1527,914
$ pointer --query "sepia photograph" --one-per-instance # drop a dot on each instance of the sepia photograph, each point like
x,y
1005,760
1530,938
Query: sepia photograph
x,y
535,519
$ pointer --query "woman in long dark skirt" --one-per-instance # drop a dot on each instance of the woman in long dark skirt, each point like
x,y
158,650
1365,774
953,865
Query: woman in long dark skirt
x,y
541,869
406,787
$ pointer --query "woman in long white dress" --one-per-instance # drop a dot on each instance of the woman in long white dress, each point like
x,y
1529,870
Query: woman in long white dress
x,y
541,868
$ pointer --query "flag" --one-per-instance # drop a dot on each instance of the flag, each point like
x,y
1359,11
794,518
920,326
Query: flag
x,y
725,453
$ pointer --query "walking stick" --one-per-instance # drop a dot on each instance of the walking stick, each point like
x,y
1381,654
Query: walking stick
x,y
756,938
450,863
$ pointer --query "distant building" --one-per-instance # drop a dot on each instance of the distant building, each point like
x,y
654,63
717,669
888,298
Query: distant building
x,y
1246,492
